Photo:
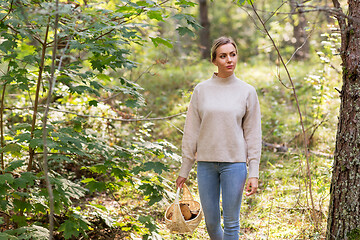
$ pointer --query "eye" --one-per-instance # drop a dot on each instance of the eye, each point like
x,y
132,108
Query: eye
x,y
222,56
233,54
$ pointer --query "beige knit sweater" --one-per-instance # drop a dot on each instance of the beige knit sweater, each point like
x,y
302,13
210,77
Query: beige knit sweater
x,y
223,124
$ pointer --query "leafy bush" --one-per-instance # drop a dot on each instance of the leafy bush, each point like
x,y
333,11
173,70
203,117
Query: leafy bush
x,y
89,145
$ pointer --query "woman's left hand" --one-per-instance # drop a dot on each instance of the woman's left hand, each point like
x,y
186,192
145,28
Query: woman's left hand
x,y
251,186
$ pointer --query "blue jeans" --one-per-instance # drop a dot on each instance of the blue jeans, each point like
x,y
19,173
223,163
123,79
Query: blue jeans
x,y
230,178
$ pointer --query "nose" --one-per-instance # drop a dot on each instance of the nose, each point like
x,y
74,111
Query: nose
x,y
229,58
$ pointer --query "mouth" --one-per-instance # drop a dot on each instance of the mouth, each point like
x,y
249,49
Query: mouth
x,y
229,67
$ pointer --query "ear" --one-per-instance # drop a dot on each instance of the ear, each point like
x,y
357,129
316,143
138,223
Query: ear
x,y
214,62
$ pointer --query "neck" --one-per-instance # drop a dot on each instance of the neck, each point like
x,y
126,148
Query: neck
x,y
223,80
224,75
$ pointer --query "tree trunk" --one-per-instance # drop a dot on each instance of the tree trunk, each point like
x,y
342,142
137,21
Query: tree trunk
x,y
205,42
301,43
344,209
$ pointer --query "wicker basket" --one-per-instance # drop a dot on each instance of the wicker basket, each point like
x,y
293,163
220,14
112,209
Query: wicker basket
x,y
178,224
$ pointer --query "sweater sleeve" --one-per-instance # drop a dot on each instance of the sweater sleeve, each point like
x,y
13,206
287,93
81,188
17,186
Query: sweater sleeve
x,y
190,137
252,133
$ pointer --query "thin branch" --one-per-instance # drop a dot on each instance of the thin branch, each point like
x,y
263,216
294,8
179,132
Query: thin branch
x,y
253,20
10,9
273,13
52,82
41,68
317,126
299,111
2,122
118,119
181,131
106,118
34,36
307,38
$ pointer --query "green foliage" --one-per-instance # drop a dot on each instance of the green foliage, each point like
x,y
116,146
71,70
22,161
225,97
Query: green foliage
x,y
31,232
354,234
85,155
75,225
242,2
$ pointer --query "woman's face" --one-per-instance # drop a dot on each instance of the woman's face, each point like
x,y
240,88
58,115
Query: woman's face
x,y
226,59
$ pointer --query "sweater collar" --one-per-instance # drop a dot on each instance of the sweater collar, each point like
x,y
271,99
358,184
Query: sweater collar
x,y
220,80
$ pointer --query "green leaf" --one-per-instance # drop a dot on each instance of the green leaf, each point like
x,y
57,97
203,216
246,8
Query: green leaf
x,y
155,15
36,142
102,213
158,167
64,79
30,59
82,89
26,179
14,164
242,2
6,236
99,168
35,232
7,177
20,220
69,228
4,204
23,137
22,126
102,76
153,191
149,223
185,30
75,225
12,147
93,103
39,142
8,46
184,3
96,85
21,206
119,173
189,19
66,188
158,40
94,185
132,103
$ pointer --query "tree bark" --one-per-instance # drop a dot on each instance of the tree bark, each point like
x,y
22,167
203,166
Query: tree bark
x,y
344,209
205,42
301,43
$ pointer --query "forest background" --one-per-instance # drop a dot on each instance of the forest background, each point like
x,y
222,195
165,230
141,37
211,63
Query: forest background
x,y
93,102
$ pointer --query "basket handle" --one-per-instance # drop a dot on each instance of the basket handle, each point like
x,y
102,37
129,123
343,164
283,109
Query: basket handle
x,y
186,194
177,195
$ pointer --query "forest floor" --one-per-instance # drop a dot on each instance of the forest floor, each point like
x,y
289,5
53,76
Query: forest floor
x,y
280,210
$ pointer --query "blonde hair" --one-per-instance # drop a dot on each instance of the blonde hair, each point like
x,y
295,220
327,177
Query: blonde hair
x,y
219,42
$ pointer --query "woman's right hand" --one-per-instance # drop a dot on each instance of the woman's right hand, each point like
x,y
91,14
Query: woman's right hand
x,y
180,182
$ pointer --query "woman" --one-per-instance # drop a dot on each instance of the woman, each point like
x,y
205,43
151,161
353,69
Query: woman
x,y
223,133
